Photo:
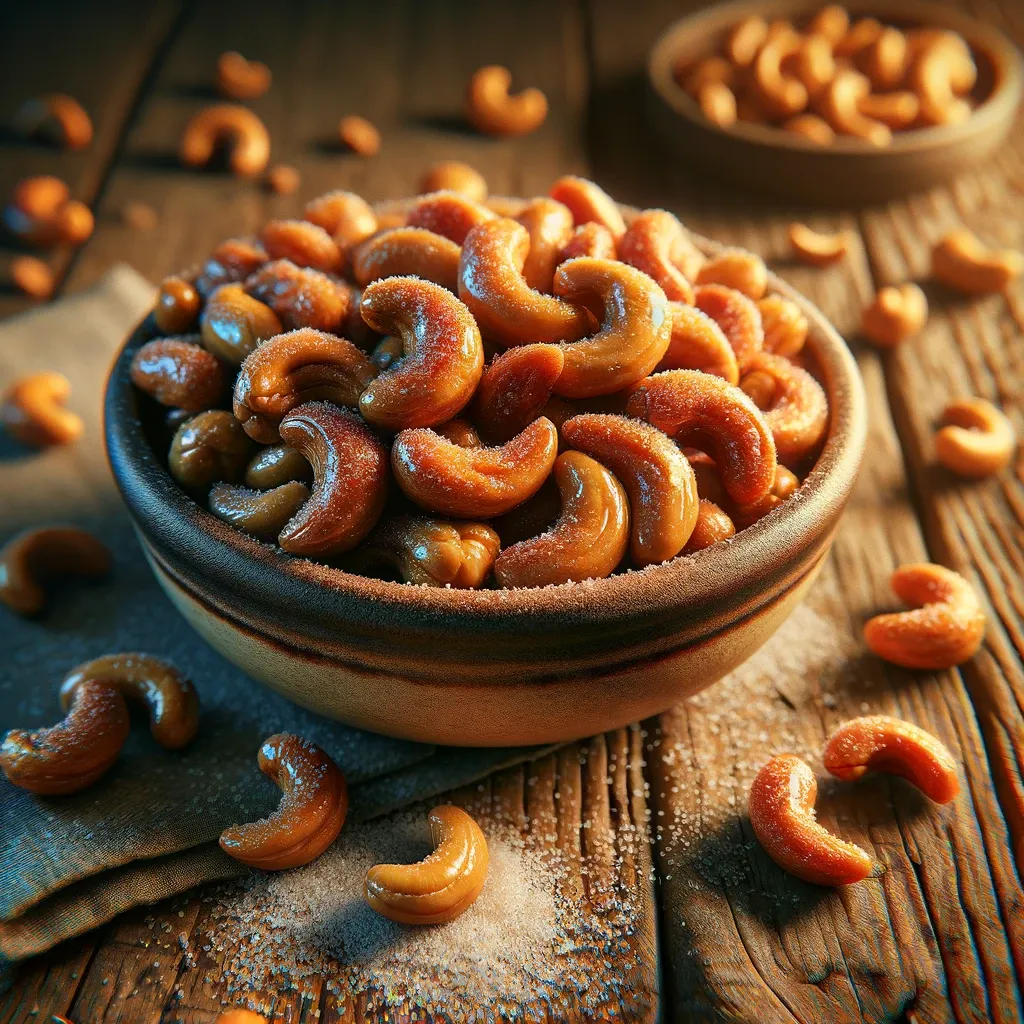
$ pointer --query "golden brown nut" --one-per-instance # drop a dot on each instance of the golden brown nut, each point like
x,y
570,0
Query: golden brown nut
x,y
941,72
549,225
460,432
283,179
657,477
74,753
861,34
177,305
897,110
633,335
718,104
962,262
455,176
350,480
388,351
59,118
241,79
712,526
304,243
814,63
261,514
140,216
473,483
816,248
32,557
831,21
179,373
777,93
744,40
693,76
293,368
491,284
588,202
812,128
976,439
897,313
314,802
588,540
514,389
228,125
359,135
492,110
33,277
234,323
233,260
33,411
241,1016
42,213
301,297
407,252
208,447
736,268
737,316
656,243
590,239
444,354
706,412
698,343
276,465
346,217
785,484
449,214
839,103
785,326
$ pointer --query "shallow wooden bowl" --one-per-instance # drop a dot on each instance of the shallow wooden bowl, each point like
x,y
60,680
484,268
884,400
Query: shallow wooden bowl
x,y
490,667
766,159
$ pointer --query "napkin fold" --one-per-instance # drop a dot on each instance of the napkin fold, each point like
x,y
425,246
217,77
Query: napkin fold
x,y
148,829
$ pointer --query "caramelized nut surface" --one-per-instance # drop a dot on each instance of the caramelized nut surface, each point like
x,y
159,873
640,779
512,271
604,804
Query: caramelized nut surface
x,y
233,260
549,225
785,326
33,411
346,217
207,447
737,315
712,525
590,239
449,214
276,465
656,243
234,323
589,202
407,251
177,306
179,373
976,439
491,109
228,125
261,514
736,268
303,243
698,343
515,388
300,296
455,176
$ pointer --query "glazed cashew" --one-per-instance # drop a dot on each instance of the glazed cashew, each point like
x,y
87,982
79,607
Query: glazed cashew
x,y
304,243
444,354
448,214
169,697
795,409
588,540
301,297
737,316
712,415
633,335
718,104
350,480
514,389
657,476
860,35
314,802
492,286
300,366
241,79
359,135
884,60
590,239
208,447
41,212
473,483
781,808
963,262
812,128
32,277
233,260
388,351
549,225
976,439
945,628
178,373
785,326
785,484
234,127
455,176
57,117
656,243
816,248
434,553
839,103
707,71
942,72
33,411
588,202
814,63
779,95
878,743
74,753
832,22
276,465
698,343
261,514
897,313
897,110
31,558
407,252
177,305
738,269
346,217
443,885
234,323
492,110
460,432
712,526
745,40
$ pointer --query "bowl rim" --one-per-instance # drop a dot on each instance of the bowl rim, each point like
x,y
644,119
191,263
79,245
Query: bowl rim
x,y
718,577
1006,60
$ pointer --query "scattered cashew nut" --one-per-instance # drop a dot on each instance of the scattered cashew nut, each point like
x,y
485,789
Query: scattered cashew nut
x,y
976,439
897,313
817,248
492,110
33,411
233,126
963,262
241,79
57,117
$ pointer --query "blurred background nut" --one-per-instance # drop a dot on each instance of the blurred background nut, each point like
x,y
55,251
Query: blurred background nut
x,y
33,412
208,447
779,94
588,202
839,103
241,79
884,60
830,21
811,127
943,70
359,135
745,40
897,313
455,176
963,262
57,118
41,212
491,109
233,128
283,179
976,439
717,103
32,276
897,110
140,216
816,247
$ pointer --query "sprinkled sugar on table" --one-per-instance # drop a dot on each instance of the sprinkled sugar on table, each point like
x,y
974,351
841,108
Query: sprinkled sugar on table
x,y
626,880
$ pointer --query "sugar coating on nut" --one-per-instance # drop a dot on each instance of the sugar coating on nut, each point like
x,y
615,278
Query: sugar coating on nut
x,y
975,439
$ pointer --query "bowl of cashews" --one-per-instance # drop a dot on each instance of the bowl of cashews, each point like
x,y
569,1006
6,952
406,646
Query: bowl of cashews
x,y
852,103
484,471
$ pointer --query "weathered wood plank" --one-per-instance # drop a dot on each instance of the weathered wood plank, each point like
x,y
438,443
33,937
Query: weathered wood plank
x,y
47,985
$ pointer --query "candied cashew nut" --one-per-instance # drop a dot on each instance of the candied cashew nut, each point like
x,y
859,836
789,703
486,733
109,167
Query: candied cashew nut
x,y
33,411
230,125
34,556
234,323
942,71
785,326
261,514
832,22
745,39
346,217
234,259
590,239
304,243
884,60
350,480
587,541
781,808
492,110
656,243
491,284
878,743
549,224
241,79
963,262
56,117
633,335
785,484
858,36
276,465
976,439
588,202
473,483
314,802
714,416
698,343
169,697
898,110
455,176
359,135
812,128
777,93
718,104
300,296
180,374
839,103
74,753
407,252
448,214
817,248
657,476
945,627
208,447
460,432
515,388
707,71
897,313
444,355
737,316
736,268
442,885
712,526
814,63
177,305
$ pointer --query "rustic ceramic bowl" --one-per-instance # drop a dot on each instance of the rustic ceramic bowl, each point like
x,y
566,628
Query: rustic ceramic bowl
x,y
490,667
767,159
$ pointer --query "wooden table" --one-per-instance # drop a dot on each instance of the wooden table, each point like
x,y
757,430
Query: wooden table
x,y
724,935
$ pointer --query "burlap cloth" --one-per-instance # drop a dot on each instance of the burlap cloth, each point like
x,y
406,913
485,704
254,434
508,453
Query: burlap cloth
x,y
148,829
